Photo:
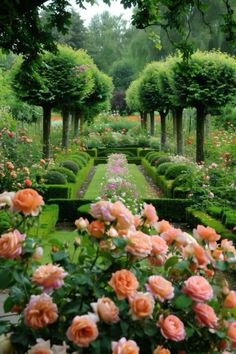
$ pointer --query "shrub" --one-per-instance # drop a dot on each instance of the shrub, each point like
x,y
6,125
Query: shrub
x,y
71,165
182,180
154,143
174,171
161,170
162,160
5,221
150,155
155,158
66,172
55,177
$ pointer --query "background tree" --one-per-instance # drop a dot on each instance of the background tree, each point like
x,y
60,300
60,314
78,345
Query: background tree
x,y
134,103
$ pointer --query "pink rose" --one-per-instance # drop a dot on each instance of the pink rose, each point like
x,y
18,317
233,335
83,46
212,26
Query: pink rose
x,y
106,309
124,346
139,244
124,283
96,229
124,217
230,300
141,305
198,288
49,276
28,201
159,245
162,226
171,235
81,223
231,333
172,328
205,315
149,214
102,210
83,330
11,244
161,350
207,234
160,287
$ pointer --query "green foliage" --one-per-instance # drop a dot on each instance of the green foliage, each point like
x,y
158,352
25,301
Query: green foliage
x,y
226,118
66,172
71,165
173,171
55,177
162,168
162,160
55,191
122,73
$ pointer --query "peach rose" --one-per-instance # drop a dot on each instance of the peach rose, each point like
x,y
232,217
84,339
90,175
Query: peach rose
x,y
227,246
207,234
160,288
157,260
161,350
198,288
106,309
162,226
124,283
40,311
6,199
124,217
205,315
141,305
96,228
171,234
38,253
172,328
231,333
83,330
124,346
42,347
149,214
139,244
27,201
159,245
81,223
230,300
198,253
102,210
49,276
11,244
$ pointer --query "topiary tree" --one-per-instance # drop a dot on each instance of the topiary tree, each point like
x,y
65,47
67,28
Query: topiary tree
x,y
207,82
134,103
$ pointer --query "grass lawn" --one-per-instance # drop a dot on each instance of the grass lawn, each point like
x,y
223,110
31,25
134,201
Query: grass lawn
x,y
135,176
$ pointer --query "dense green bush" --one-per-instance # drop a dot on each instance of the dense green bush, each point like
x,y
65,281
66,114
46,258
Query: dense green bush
x,y
183,180
174,171
66,172
71,165
55,177
150,155
5,221
161,169
162,160
155,158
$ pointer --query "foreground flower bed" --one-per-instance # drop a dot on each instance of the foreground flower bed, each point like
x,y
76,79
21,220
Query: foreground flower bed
x,y
133,285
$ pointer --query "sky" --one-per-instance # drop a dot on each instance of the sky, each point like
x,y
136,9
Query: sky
x,y
115,9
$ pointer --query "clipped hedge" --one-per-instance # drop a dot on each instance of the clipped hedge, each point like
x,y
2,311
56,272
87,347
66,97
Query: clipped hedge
x,y
178,169
66,172
55,191
161,169
68,208
142,152
162,159
55,177
71,165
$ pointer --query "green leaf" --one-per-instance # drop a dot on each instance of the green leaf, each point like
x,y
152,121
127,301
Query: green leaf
x,y
8,303
189,331
171,262
183,302
4,327
150,330
221,265
119,242
6,279
59,256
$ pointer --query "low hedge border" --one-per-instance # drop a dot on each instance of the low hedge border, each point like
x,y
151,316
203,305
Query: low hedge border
x,y
142,152
68,208
196,217
46,221
123,150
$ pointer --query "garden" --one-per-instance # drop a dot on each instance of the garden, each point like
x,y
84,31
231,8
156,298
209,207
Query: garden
x,y
117,192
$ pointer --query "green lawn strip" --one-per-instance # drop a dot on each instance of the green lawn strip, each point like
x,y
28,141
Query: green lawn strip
x,y
64,237
95,187
135,176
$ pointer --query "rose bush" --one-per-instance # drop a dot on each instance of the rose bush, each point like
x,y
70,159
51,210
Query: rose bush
x,y
164,294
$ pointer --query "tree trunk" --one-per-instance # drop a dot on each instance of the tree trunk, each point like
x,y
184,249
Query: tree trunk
x,y
76,123
152,123
163,129
174,122
145,121
65,128
207,124
179,131
81,122
46,131
200,134
141,119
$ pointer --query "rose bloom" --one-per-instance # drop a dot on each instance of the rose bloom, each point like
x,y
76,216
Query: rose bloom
x,y
42,347
198,253
81,223
27,201
198,288
149,214
96,229
159,245
157,260
162,226
106,309
230,300
40,311
124,346
172,328
124,217
124,283
161,350
28,182
141,305
11,244
38,253
6,199
83,330
102,210
139,244
160,288
112,232
227,246
205,315
171,234
49,276
231,333
206,233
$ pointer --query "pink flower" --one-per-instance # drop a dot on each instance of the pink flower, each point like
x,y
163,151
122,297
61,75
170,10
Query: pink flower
x,y
230,300
124,217
172,328
171,234
81,223
198,253
83,330
159,245
161,350
207,234
27,201
198,288
162,226
106,309
141,305
160,287
44,347
6,199
149,214
11,244
49,276
124,346
102,210
231,333
124,283
205,315
139,244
